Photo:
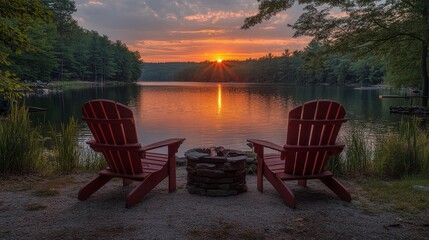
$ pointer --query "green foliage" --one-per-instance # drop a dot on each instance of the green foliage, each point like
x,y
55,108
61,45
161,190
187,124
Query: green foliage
x,y
15,18
38,63
10,86
91,57
403,195
335,164
267,9
396,154
61,11
21,147
395,30
403,153
357,157
91,161
358,153
291,68
85,55
403,65
66,146
40,40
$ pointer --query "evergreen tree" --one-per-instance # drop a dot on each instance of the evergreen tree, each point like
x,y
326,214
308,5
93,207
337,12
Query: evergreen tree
x,y
15,19
376,27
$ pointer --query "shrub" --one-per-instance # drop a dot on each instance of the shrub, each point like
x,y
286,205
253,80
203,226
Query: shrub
x,y
403,153
21,145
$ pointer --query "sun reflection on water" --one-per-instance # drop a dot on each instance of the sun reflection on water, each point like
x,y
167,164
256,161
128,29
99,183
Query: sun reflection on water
x,y
219,98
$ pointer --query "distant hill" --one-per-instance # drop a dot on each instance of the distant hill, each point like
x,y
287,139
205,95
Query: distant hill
x,y
163,71
294,69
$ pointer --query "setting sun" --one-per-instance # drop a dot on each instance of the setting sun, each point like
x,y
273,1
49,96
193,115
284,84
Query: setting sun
x,y
219,60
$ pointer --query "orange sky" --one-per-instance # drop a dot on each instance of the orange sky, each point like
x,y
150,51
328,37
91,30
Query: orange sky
x,y
185,30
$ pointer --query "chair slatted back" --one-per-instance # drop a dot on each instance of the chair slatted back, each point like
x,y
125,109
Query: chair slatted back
x,y
312,130
113,128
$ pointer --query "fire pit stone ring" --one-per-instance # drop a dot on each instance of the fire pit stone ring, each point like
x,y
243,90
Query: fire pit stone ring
x,y
216,171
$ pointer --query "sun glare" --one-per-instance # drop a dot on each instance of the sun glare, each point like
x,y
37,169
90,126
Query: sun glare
x,y
219,60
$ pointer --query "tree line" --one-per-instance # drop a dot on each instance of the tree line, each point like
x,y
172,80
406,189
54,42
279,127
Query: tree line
x,y
298,67
393,31
41,41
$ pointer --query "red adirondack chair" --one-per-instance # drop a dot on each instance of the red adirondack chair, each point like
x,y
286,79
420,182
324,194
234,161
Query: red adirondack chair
x,y
113,128
311,138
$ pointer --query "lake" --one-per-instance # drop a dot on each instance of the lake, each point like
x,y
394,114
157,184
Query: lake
x,y
218,114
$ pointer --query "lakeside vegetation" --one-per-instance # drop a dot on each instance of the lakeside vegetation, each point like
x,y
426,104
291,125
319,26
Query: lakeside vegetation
x,y
25,149
397,154
382,169
53,47
298,67
394,31
41,41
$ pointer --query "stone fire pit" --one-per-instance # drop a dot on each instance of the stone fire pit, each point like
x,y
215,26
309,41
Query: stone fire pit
x,y
216,172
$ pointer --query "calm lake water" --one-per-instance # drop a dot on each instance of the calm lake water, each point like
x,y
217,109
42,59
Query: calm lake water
x,y
212,114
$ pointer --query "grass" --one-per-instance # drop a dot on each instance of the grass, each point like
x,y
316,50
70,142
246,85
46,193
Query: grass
x,y
358,153
21,145
356,159
90,160
66,146
69,154
72,84
403,152
335,165
400,195
393,155
83,84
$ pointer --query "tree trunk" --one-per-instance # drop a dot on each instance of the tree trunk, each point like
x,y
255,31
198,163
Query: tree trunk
x,y
424,73
424,56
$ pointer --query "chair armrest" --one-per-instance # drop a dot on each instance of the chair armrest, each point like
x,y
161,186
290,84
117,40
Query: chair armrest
x,y
99,147
163,143
334,149
266,144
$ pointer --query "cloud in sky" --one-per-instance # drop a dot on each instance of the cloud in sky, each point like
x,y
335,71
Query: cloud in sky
x,y
189,30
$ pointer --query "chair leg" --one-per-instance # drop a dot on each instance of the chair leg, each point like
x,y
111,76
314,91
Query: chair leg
x,y
142,189
259,150
337,188
126,182
260,175
92,187
172,174
281,188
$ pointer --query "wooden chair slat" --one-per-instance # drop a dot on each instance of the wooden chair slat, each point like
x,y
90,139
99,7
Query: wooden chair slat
x,y
115,136
311,137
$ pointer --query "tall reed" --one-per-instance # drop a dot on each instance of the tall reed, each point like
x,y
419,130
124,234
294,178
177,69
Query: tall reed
x,y
66,146
358,153
404,152
335,164
21,145
91,160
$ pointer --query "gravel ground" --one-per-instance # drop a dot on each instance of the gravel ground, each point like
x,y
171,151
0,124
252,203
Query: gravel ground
x,y
35,208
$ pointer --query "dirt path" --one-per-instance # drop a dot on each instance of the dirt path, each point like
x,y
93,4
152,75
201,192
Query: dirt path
x,y
49,209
